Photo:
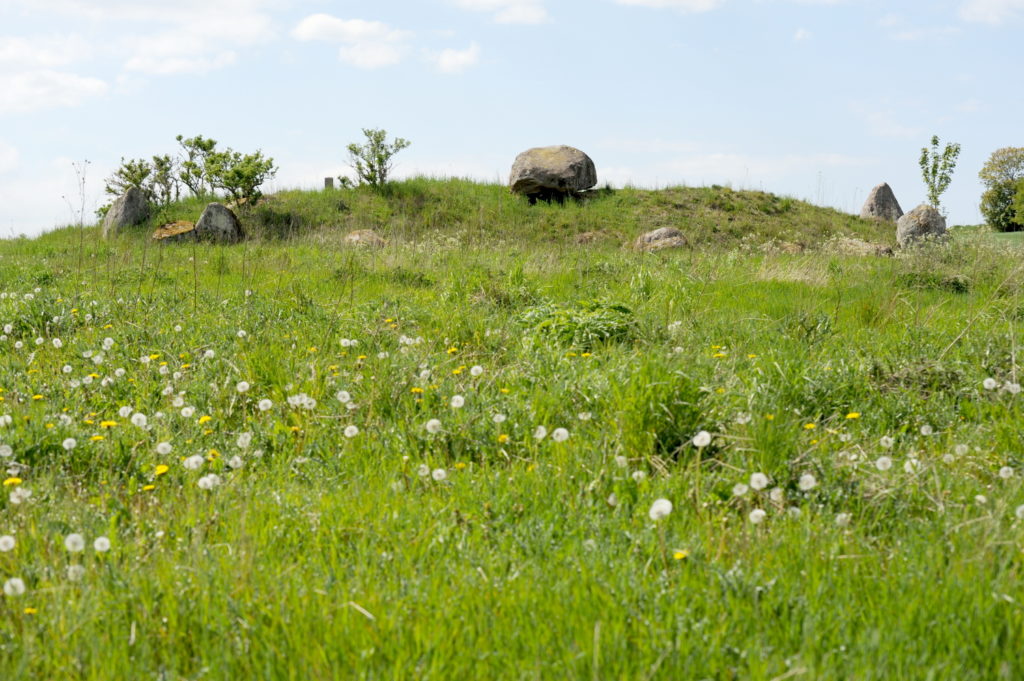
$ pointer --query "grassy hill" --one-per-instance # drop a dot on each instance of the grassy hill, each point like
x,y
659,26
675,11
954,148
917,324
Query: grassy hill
x,y
414,209
439,460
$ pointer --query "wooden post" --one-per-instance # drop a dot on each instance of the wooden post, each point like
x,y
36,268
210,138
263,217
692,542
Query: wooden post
x,y
328,183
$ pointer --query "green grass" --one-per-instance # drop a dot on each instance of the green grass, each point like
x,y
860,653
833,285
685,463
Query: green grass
x,y
327,556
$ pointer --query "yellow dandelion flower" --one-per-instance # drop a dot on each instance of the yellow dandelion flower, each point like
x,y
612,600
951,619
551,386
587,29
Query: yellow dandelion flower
x,y
97,438
37,397
313,349
416,391
155,355
720,391
504,391
587,354
295,429
9,482
751,356
680,554
810,426
30,611
503,438
49,426
388,320
853,415
769,417
213,454
108,424
531,468
148,488
460,466
205,419
161,469
719,355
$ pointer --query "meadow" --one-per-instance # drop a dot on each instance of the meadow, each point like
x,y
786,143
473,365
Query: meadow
x,y
488,452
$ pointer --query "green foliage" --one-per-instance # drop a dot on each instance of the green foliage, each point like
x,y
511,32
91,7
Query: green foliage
x,y
1018,204
131,173
372,161
239,175
164,185
1001,174
194,169
581,326
937,168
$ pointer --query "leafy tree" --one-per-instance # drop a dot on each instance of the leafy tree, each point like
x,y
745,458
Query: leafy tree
x,y
1001,175
194,169
131,173
1018,205
164,185
240,175
937,168
373,161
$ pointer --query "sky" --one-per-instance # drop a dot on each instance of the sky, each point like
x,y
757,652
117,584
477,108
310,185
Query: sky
x,y
815,99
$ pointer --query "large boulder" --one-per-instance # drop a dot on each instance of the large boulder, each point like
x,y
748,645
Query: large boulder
x,y
660,239
552,173
924,222
218,224
882,205
130,209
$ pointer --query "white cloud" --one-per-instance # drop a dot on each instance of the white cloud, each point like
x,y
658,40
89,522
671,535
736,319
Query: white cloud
x,y
364,44
883,124
991,11
44,52
801,35
456,61
45,89
8,157
681,5
509,11
924,33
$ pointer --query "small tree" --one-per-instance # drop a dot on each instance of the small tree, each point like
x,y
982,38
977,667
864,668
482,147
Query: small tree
x,y
131,173
194,167
1001,176
937,168
240,175
164,185
372,161
1018,205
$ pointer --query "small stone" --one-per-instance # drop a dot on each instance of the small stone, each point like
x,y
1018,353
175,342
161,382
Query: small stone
x,y
660,239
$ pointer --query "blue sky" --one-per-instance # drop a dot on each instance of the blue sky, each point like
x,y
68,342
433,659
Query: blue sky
x,y
817,99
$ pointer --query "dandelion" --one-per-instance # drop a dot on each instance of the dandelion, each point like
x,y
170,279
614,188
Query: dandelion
x,y
743,418
1005,472
757,516
75,572
423,470
160,469
777,495
613,500
102,544
961,450
476,371
235,462
758,481
188,412
458,401
660,509
14,587
58,343
1012,388
124,412
241,333
20,495
499,418
164,448
702,439
911,465
74,542
560,435
886,442
739,489
843,519
69,443
540,433
883,463
1020,512
242,386
621,461
351,431
990,384
244,440
981,499
6,452
638,476
193,462
265,405
209,354
210,481
584,416
439,474
853,415
6,543
926,430
139,420
433,426
807,482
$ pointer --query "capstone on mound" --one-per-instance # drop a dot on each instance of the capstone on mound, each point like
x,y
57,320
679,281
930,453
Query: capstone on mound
x,y
548,173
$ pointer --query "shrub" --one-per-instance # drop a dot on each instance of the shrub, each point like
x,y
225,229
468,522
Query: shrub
x,y
240,175
1001,175
373,161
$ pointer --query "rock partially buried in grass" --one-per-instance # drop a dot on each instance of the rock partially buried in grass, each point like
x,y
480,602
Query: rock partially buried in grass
x,y
366,238
882,205
660,239
924,222
219,225
548,173
128,210
594,237
174,232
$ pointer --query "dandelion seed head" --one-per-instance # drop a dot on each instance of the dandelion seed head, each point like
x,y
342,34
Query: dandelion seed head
x,y
74,542
14,586
661,508
758,481
807,482
757,516
883,463
101,545
560,435
702,439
